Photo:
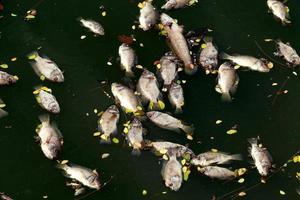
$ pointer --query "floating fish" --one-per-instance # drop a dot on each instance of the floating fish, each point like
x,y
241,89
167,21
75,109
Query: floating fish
x,y
208,57
163,147
92,25
167,70
46,100
148,16
175,4
279,10
210,158
288,53
176,97
7,79
128,59
135,136
107,124
216,172
3,113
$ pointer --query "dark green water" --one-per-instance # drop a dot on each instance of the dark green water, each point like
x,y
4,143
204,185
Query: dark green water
x,y
26,174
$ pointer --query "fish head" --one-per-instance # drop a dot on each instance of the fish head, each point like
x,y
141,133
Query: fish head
x,y
166,20
116,88
263,65
50,150
54,108
94,182
169,5
57,76
136,123
148,75
123,47
173,182
151,114
113,109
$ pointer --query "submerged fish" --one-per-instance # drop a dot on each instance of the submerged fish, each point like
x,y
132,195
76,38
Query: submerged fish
x,y
7,79
279,10
178,42
46,100
147,87
168,122
50,138
148,16
92,25
45,68
128,59
83,175
228,81
209,158
3,113
135,136
172,173
126,97
288,53
218,172
163,147
261,156
175,4
250,62
168,70
107,124
208,57
176,97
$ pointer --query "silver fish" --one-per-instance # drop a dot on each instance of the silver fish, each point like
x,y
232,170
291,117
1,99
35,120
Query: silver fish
x,y
85,176
261,156
163,147
279,10
176,97
175,4
168,122
126,98
135,136
168,70
107,124
288,53
3,113
128,59
172,173
4,196
46,100
216,172
50,138
178,42
148,16
228,81
92,25
46,68
250,62
7,79
208,57
209,158
147,87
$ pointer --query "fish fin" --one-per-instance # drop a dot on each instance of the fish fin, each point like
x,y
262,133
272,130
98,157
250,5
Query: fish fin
x,y
35,69
286,22
218,89
207,39
236,157
3,113
178,110
224,56
45,118
226,97
136,152
190,69
188,129
234,88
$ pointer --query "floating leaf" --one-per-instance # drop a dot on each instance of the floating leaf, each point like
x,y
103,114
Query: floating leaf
x,y
241,194
133,27
125,130
139,66
184,169
139,108
4,66
268,40
163,151
219,121
13,15
236,67
141,45
158,66
64,162
270,65
105,155
97,134
83,37
295,73
187,156
42,77
189,137
296,159
144,192
186,175
281,192
29,17
32,56
183,161
103,13
140,5
231,131
115,140
165,157
2,105
241,180
241,171
161,105
13,59
45,197
214,150
274,84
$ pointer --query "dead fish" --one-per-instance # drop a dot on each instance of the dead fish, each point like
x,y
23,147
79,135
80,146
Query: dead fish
x,y
172,174
107,124
46,68
148,16
250,62
3,113
168,122
147,87
208,57
126,97
92,25
216,172
288,53
83,175
135,136
167,70
210,158
163,147
46,100
228,81
279,10
7,79
128,59
175,4
176,97
178,42
49,137
261,156
3,196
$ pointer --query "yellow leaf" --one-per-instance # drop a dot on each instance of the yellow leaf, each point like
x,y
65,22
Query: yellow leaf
x,y
186,175
236,67
103,13
139,108
32,56
189,137
163,151
158,66
13,59
125,130
268,40
96,134
4,66
105,155
42,77
144,192
241,194
161,105
165,157
214,150
241,171
219,121
115,140
203,46
2,105
282,192
141,5
183,161
270,65
296,158
184,169
241,180
64,162
231,131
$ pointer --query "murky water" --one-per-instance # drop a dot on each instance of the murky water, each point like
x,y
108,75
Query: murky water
x,y
26,174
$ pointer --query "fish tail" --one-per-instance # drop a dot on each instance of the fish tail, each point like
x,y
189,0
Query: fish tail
x,y
178,110
62,166
188,129
190,69
3,113
253,141
79,19
136,152
226,97
236,157
45,118
224,56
